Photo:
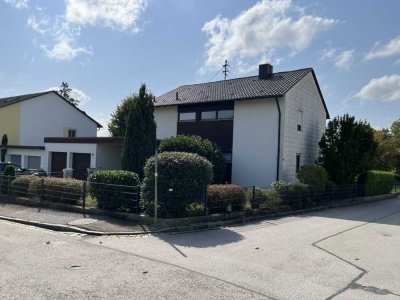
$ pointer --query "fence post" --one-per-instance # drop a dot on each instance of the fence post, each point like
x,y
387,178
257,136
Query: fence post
x,y
253,198
41,188
137,199
84,195
205,202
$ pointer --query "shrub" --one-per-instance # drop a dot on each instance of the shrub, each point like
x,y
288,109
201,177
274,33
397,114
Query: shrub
x,y
225,198
20,185
377,182
295,196
264,198
313,175
64,190
195,209
115,189
182,180
202,147
7,178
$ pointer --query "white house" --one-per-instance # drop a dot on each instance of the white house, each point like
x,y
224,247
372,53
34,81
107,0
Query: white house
x,y
46,131
267,125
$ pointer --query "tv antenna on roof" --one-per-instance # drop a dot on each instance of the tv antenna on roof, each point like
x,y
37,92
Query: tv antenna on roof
x,y
225,69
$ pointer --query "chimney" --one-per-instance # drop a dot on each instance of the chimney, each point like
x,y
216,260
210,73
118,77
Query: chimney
x,y
264,71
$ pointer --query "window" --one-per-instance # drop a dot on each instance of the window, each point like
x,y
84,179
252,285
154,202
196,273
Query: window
x,y
71,132
187,116
208,115
225,114
299,120
34,162
298,159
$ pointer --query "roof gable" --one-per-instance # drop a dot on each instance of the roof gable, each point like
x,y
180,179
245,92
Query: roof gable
x,y
16,99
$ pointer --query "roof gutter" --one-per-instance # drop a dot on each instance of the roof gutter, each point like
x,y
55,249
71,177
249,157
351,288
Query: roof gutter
x,y
279,139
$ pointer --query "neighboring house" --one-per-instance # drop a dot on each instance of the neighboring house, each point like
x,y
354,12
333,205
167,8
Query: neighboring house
x,y
267,126
30,121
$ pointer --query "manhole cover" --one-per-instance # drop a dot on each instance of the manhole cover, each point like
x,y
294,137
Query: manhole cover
x,y
82,222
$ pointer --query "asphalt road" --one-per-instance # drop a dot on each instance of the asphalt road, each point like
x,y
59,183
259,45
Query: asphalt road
x,y
345,253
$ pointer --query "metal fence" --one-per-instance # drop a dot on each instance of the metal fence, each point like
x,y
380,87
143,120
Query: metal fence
x,y
179,202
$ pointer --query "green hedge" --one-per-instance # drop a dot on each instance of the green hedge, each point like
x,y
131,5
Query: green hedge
x,y
264,198
294,196
200,146
225,198
20,185
7,177
377,182
182,181
314,175
115,189
63,190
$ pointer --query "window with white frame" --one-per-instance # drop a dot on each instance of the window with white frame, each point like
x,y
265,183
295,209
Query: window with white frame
x,y
71,132
298,162
299,120
187,116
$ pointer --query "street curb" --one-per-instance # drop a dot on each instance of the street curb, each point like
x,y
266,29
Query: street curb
x,y
193,227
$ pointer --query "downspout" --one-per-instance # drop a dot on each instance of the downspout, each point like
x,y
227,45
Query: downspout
x,y
279,138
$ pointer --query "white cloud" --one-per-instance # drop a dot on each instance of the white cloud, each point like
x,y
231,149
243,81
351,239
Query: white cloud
x,y
18,3
65,49
41,25
390,49
345,59
386,88
121,14
75,94
257,33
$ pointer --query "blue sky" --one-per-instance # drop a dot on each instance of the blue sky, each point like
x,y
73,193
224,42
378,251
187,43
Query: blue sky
x,y
105,51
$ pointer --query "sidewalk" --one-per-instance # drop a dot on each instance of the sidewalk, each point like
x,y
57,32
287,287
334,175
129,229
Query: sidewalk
x,y
70,221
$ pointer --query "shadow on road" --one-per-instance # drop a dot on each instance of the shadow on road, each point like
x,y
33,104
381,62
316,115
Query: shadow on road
x,y
204,239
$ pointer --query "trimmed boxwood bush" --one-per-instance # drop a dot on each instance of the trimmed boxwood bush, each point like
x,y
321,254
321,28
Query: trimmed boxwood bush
x,y
7,177
225,198
182,181
20,185
115,189
64,190
314,175
200,146
264,198
377,182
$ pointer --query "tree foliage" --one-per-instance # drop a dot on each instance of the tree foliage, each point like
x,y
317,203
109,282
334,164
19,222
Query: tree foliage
x,y
4,142
119,118
65,91
347,149
140,136
388,151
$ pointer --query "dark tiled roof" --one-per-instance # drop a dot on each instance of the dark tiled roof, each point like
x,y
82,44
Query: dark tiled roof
x,y
278,84
15,99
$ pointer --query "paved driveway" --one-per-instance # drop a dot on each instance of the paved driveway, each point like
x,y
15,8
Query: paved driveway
x,y
345,253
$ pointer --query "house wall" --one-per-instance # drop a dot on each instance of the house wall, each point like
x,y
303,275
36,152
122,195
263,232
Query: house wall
x,y
24,156
47,116
166,119
108,157
255,140
10,117
303,96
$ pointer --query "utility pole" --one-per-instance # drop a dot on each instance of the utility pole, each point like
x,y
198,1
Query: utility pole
x,y
156,189
225,71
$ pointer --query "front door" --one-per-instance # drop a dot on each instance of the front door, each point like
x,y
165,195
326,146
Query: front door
x,y
80,164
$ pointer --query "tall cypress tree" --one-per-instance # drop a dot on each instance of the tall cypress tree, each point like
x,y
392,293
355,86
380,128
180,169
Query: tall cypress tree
x,y
4,142
140,136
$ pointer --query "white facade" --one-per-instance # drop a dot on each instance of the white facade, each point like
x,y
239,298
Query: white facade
x,y
303,97
166,119
48,116
255,140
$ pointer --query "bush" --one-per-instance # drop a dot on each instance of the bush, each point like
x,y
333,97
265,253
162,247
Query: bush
x,y
64,190
313,175
225,198
202,147
295,196
20,185
195,209
182,180
115,189
264,198
7,178
377,182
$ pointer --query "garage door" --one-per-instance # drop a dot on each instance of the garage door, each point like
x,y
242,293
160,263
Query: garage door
x,y
16,159
58,163
34,162
80,164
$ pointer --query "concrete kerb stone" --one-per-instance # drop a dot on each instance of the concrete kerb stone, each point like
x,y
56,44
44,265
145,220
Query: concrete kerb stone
x,y
211,222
